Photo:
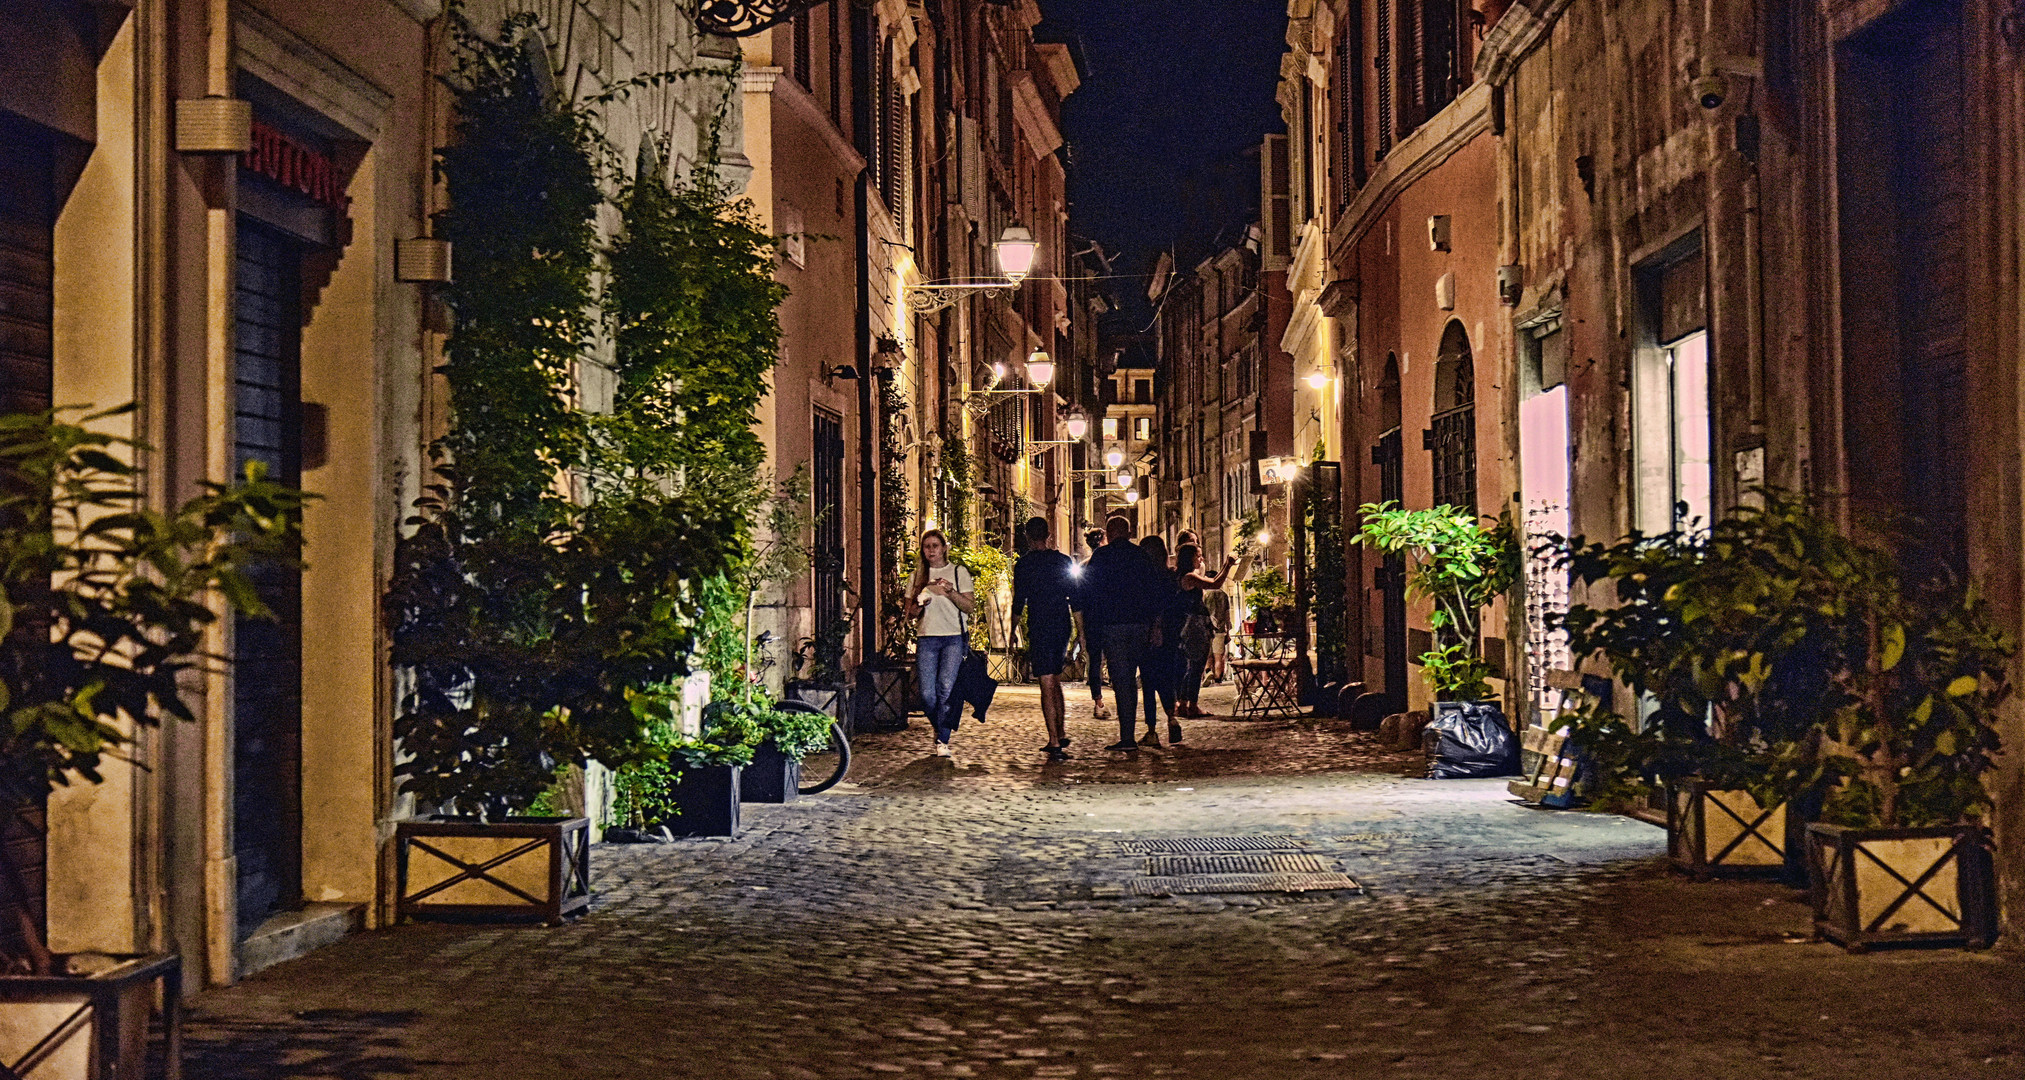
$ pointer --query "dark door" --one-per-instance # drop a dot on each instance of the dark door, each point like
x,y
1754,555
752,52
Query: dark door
x,y
267,653
828,560
1391,458
27,217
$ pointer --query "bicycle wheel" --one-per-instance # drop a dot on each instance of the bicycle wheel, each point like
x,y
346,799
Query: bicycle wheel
x,y
824,768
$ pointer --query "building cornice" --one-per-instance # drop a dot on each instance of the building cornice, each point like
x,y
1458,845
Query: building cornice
x,y
802,106
1524,25
1414,157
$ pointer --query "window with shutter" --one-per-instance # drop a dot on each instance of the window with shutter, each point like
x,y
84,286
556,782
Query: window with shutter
x,y
804,61
1382,60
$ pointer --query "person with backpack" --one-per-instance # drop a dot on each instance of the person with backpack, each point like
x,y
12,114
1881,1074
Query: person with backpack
x,y
1121,597
941,596
1043,582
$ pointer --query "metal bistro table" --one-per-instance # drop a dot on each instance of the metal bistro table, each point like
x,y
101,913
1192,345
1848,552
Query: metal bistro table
x,y
1267,676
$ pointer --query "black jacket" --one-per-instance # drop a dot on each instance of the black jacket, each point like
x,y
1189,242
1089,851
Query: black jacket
x,y
1043,585
1122,587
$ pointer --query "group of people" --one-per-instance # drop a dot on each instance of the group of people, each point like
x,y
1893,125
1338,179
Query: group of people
x,y
1149,620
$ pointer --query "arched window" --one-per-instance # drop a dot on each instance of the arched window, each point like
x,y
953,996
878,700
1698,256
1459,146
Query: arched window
x,y
1452,438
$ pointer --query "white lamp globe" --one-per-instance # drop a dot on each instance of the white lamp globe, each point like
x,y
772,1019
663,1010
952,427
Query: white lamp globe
x,y
1040,370
1131,497
1015,250
1077,425
1115,458
1318,379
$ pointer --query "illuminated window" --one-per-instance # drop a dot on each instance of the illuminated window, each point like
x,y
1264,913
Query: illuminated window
x,y
1142,429
1110,427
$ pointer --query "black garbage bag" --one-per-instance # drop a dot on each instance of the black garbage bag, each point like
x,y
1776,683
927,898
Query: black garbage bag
x,y
1469,739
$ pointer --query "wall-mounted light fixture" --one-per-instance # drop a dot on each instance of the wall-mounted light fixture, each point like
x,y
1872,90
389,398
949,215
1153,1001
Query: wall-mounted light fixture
x,y
1015,252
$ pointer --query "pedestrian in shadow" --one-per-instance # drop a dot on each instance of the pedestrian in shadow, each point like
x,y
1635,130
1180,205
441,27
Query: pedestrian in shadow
x,y
1160,674
1121,595
941,596
1043,581
1197,633
1093,658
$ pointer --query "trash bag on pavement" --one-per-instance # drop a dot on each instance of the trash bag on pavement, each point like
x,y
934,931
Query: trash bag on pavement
x,y
1469,739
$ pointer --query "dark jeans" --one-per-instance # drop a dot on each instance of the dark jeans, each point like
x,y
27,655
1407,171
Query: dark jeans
x,y
1160,674
938,659
1124,652
1093,657
1197,658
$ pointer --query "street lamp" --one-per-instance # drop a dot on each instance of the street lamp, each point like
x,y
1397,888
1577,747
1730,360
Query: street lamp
x,y
1040,369
1015,251
1317,379
1131,497
1125,478
1115,458
1077,425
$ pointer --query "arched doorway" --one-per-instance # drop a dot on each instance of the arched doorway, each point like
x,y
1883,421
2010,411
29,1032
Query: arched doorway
x,y
1453,436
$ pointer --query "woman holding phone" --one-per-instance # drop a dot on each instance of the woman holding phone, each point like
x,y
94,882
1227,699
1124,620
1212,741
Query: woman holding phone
x,y
940,597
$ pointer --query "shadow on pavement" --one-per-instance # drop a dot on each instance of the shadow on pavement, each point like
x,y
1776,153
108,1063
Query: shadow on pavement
x,y
338,1044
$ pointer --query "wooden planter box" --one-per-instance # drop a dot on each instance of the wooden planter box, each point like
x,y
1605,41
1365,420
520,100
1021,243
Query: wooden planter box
x,y
91,1027
1930,886
1712,832
521,868
708,801
832,701
773,777
882,698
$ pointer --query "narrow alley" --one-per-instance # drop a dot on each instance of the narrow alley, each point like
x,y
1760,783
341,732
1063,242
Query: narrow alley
x,y
978,918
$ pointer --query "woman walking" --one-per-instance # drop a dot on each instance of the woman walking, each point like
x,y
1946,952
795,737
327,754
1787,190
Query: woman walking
x,y
1161,670
940,596
1197,631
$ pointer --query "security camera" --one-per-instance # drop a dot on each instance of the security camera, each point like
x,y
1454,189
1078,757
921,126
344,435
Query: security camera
x,y
1710,91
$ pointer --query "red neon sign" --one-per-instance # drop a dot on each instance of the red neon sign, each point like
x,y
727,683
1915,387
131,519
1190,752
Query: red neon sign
x,y
294,166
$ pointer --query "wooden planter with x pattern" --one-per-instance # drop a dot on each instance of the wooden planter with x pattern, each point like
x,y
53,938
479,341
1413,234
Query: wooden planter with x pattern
x,y
1718,832
1902,886
521,868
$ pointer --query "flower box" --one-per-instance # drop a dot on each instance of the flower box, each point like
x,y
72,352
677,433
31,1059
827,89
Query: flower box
x,y
91,1027
1930,886
1725,832
707,798
773,777
534,868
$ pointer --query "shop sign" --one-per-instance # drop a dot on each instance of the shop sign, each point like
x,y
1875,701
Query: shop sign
x,y
287,162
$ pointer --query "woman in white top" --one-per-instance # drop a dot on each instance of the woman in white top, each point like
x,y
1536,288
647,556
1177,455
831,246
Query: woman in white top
x,y
940,596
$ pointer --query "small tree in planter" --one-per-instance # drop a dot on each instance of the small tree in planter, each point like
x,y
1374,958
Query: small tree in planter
x,y
1460,566
107,607
1270,596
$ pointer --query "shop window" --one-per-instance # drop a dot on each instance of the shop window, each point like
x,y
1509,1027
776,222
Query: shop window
x,y
1671,422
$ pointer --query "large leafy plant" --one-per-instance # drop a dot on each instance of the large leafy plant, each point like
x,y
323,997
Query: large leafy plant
x,y
108,605
1460,566
1776,653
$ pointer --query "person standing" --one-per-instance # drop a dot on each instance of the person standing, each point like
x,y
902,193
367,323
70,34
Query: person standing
x,y
1161,672
1218,603
940,596
1121,597
1197,634
1092,658
1043,581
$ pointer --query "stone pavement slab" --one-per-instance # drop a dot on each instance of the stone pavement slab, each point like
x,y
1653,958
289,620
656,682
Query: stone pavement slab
x,y
971,919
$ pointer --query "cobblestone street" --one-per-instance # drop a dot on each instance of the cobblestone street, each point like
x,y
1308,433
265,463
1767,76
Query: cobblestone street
x,y
977,917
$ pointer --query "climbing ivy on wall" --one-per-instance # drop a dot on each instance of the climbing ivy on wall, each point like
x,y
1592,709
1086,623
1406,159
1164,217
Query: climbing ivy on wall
x,y
896,524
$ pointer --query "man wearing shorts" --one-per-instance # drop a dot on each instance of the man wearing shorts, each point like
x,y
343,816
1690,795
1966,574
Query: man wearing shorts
x,y
1043,581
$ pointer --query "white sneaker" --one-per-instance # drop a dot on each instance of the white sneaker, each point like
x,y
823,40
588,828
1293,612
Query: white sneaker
x,y
942,750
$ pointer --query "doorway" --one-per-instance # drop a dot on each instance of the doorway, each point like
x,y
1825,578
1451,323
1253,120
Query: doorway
x,y
1390,457
267,652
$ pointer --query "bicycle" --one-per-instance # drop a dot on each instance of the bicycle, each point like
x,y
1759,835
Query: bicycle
x,y
825,768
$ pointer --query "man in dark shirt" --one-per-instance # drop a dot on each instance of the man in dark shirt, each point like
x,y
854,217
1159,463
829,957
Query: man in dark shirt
x,y
1043,581
1122,594
1093,654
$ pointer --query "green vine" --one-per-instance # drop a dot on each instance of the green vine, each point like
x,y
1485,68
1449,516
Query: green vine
x,y
1328,599
896,521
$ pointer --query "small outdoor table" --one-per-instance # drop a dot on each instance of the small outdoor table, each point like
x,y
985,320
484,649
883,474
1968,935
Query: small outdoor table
x,y
1267,687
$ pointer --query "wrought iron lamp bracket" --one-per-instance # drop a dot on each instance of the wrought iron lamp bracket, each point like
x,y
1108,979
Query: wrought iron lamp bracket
x,y
934,296
744,18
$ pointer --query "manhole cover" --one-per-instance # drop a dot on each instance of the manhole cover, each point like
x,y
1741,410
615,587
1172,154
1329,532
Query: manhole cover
x,y
1186,844
1171,865
1240,883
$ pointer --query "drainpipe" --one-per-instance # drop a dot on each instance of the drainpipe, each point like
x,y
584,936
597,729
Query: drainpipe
x,y
868,475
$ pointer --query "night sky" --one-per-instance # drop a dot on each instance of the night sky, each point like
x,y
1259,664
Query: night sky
x,y
1175,95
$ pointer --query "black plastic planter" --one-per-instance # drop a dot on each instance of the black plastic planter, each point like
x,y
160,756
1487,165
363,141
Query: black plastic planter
x,y
708,800
773,777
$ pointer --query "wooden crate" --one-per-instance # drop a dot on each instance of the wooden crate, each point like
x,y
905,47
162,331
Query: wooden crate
x,y
520,868
1723,832
1930,886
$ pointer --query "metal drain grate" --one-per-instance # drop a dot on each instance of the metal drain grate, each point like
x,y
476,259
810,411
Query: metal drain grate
x,y
1241,883
1171,865
1181,845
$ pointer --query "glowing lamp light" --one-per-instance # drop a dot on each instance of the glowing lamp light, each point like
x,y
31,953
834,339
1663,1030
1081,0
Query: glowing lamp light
x,y
998,372
1265,536
1115,458
1317,379
1040,370
1077,426
1125,478
929,523
1015,252
1131,497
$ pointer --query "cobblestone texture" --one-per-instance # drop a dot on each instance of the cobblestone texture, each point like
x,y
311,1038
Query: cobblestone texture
x,y
968,918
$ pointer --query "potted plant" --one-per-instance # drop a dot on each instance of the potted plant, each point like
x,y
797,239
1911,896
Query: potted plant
x,y
785,738
1270,597
106,614
1901,854
1459,566
707,771
820,677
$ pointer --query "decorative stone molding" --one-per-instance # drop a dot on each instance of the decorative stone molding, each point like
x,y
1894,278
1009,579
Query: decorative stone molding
x,y
1523,26
1414,157
282,59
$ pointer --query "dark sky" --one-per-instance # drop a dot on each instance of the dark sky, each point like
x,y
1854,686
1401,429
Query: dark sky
x,y
1174,95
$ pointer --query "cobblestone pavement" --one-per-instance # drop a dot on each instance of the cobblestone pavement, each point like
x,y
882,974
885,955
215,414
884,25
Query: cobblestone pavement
x,y
974,918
